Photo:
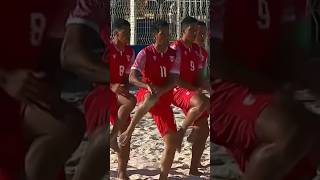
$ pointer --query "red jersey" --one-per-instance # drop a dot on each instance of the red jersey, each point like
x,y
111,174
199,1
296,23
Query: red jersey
x,y
253,29
120,62
26,31
25,42
204,57
191,62
154,66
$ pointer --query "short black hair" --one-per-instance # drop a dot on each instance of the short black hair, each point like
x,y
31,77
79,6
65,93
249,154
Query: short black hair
x,y
120,23
201,23
158,25
187,21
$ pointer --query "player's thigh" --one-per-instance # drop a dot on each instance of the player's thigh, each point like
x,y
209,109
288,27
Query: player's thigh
x,y
130,100
38,121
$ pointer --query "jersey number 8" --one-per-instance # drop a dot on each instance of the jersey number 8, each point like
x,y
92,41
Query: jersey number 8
x,y
38,26
264,14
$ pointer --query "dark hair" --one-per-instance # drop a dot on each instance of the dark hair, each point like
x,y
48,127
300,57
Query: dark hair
x,y
187,21
158,25
201,23
120,23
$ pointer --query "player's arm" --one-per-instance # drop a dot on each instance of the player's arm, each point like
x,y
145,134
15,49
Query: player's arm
x,y
203,80
78,57
128,70
135,72
170,84
232,71
135,80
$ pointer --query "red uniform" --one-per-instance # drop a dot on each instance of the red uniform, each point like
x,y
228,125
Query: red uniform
x,y
234,107
25,40
204,57
120,63
155,68
94,14
191,64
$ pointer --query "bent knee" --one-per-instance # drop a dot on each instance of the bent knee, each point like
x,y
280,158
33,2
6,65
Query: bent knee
x,y
132,102
201,102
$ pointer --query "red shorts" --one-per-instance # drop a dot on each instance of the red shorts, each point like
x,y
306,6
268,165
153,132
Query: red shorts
x,y
97,106
114,111
234,111
181,99
161,112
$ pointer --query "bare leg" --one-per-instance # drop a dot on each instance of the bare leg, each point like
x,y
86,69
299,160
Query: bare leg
x,y
198,147
281,129
168,154
199,104
94,164
123,157
53,140
126,107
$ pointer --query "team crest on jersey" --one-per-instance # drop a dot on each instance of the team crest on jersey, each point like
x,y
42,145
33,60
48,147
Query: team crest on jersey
x,y
154,58
128,58
114,56
171,58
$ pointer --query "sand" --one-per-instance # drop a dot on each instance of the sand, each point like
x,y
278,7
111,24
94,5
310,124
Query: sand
x,y
146,149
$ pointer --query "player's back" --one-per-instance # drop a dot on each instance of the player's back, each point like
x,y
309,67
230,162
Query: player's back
x,y
25,31
252,30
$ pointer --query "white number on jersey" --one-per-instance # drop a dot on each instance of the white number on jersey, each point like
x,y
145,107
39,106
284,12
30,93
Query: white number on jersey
x,y
192,68
38,26
263,14
163,71
121,70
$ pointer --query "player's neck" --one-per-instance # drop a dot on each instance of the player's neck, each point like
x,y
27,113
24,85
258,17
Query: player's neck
x,y
161,48
186,42
200,44
118,44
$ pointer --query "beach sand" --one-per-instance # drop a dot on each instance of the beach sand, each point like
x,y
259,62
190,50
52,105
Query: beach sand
x,y
146,149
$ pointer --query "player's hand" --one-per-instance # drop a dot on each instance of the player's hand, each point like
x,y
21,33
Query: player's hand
x,y
153,89
26,86
199,91
150,88
124,138
120,89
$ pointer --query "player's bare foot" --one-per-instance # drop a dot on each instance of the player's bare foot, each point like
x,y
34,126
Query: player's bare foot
x,y
123,176
180,135
114,143
195,172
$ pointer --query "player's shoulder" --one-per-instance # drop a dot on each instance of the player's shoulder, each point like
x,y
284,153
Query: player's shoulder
x,y
129,50
149,48
204,51
171,51
195,46
175,44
